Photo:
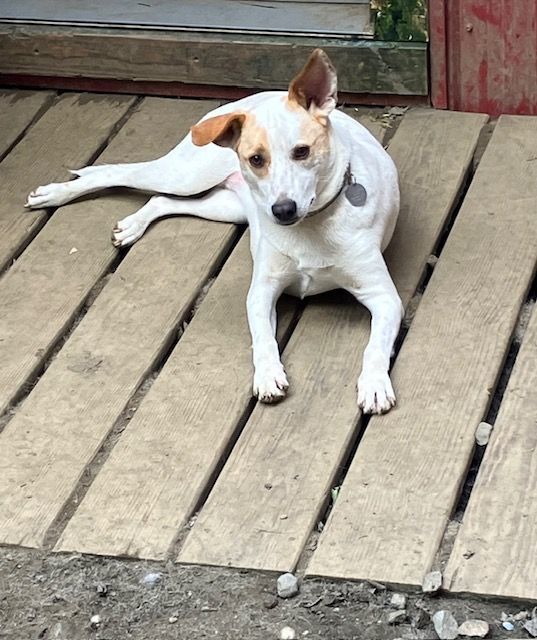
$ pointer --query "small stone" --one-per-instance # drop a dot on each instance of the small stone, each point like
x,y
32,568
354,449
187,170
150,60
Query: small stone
x,y
508,626
521,615
151,579
397,617
173,619
287,633
398,601
445,625
270,603
73,250
531,627
432,582
474,629
102,590
95,621
287,585
482,433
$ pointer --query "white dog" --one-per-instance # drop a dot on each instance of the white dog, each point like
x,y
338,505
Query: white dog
x,y
320,195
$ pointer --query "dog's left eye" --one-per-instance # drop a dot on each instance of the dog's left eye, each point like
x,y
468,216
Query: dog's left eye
x,y
257,161
301,152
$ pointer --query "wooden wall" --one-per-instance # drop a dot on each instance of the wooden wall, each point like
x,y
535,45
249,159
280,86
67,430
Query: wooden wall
x,y
484,55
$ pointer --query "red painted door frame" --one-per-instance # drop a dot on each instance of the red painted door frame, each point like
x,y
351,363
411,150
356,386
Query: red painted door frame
x,y
483,55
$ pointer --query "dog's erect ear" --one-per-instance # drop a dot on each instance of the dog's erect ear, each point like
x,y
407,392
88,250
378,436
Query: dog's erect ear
x,y
315,87
224,131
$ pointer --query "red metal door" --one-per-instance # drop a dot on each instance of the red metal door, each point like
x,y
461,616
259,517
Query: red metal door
x,y
484,55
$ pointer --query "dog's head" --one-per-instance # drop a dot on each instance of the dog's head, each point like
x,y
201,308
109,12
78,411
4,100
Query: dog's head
x,y
284,146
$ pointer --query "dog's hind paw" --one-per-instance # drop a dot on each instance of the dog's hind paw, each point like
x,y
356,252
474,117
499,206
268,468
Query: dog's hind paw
x,y
375,392
271,386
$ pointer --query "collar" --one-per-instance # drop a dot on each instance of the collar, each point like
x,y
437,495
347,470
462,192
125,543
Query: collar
x,y
347,180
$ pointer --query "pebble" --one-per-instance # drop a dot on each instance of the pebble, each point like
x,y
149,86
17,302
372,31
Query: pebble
x,y
474,629
151,579
509,626
398,601
173,619
482,433
531,627
95,621
397,617
432,582
445,625
270,603
521,615
287,585
287,633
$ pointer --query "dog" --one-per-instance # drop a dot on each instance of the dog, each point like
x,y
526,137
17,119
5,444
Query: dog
x,y
318,191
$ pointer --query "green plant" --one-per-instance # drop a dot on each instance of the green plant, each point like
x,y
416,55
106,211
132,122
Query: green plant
x,y
400,20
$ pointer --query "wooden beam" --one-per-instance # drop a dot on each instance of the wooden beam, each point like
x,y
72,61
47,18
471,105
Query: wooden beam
x,y
261,62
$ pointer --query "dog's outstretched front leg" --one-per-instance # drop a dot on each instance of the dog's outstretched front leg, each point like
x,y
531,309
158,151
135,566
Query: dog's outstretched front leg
x,y
375,391
270,382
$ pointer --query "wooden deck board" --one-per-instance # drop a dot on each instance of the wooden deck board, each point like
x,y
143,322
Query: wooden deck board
x,y
295,448
17,110
66,136
494,552
47,307
404,480
200,396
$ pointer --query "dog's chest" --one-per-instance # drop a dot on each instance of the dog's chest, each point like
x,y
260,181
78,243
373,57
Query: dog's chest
x,y
309,282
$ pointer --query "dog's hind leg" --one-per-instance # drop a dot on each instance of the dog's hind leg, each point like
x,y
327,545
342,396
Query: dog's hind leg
x,y
221,205
186,170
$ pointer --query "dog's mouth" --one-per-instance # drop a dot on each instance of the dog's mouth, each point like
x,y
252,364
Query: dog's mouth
x,y
287,223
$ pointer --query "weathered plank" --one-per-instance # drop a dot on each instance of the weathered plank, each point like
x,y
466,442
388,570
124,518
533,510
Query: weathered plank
x,y
17,110
269,495
404,480
59,428
205,387
67,136
45,306
139,500
345,18
262,62
494,553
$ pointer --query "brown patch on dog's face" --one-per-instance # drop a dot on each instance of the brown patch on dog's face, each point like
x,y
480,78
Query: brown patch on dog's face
x,y
253,148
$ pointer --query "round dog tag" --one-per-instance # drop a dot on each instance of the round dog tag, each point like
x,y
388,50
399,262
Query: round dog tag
x,y
356,194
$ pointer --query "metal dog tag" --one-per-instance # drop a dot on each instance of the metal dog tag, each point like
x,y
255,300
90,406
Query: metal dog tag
x,y
356,194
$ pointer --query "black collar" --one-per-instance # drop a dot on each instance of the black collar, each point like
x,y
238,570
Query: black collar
x,y
347,180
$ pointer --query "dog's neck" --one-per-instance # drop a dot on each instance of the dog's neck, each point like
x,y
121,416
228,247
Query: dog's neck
x,y
332,186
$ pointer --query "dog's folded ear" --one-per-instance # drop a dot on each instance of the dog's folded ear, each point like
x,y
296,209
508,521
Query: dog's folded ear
x,y
224,131
315,87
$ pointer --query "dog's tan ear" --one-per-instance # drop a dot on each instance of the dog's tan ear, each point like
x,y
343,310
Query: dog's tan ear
x,y
315,87
224,131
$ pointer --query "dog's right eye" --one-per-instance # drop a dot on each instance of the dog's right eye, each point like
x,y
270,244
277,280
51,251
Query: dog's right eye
x,y
257,161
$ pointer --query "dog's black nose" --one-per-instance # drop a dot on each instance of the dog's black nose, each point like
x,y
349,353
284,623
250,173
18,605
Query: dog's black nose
x,y
284,211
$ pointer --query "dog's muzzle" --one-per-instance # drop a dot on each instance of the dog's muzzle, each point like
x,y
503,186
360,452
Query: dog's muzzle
x,y
285,211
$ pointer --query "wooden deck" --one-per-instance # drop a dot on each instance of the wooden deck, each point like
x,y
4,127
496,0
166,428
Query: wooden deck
x,y
127,426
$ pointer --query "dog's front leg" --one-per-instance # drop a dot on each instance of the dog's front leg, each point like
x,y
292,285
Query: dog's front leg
x,y
379,295
270,382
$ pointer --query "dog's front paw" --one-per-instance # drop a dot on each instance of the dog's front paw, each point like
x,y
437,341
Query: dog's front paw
x,y
128,230
375,392
51,195
270,384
